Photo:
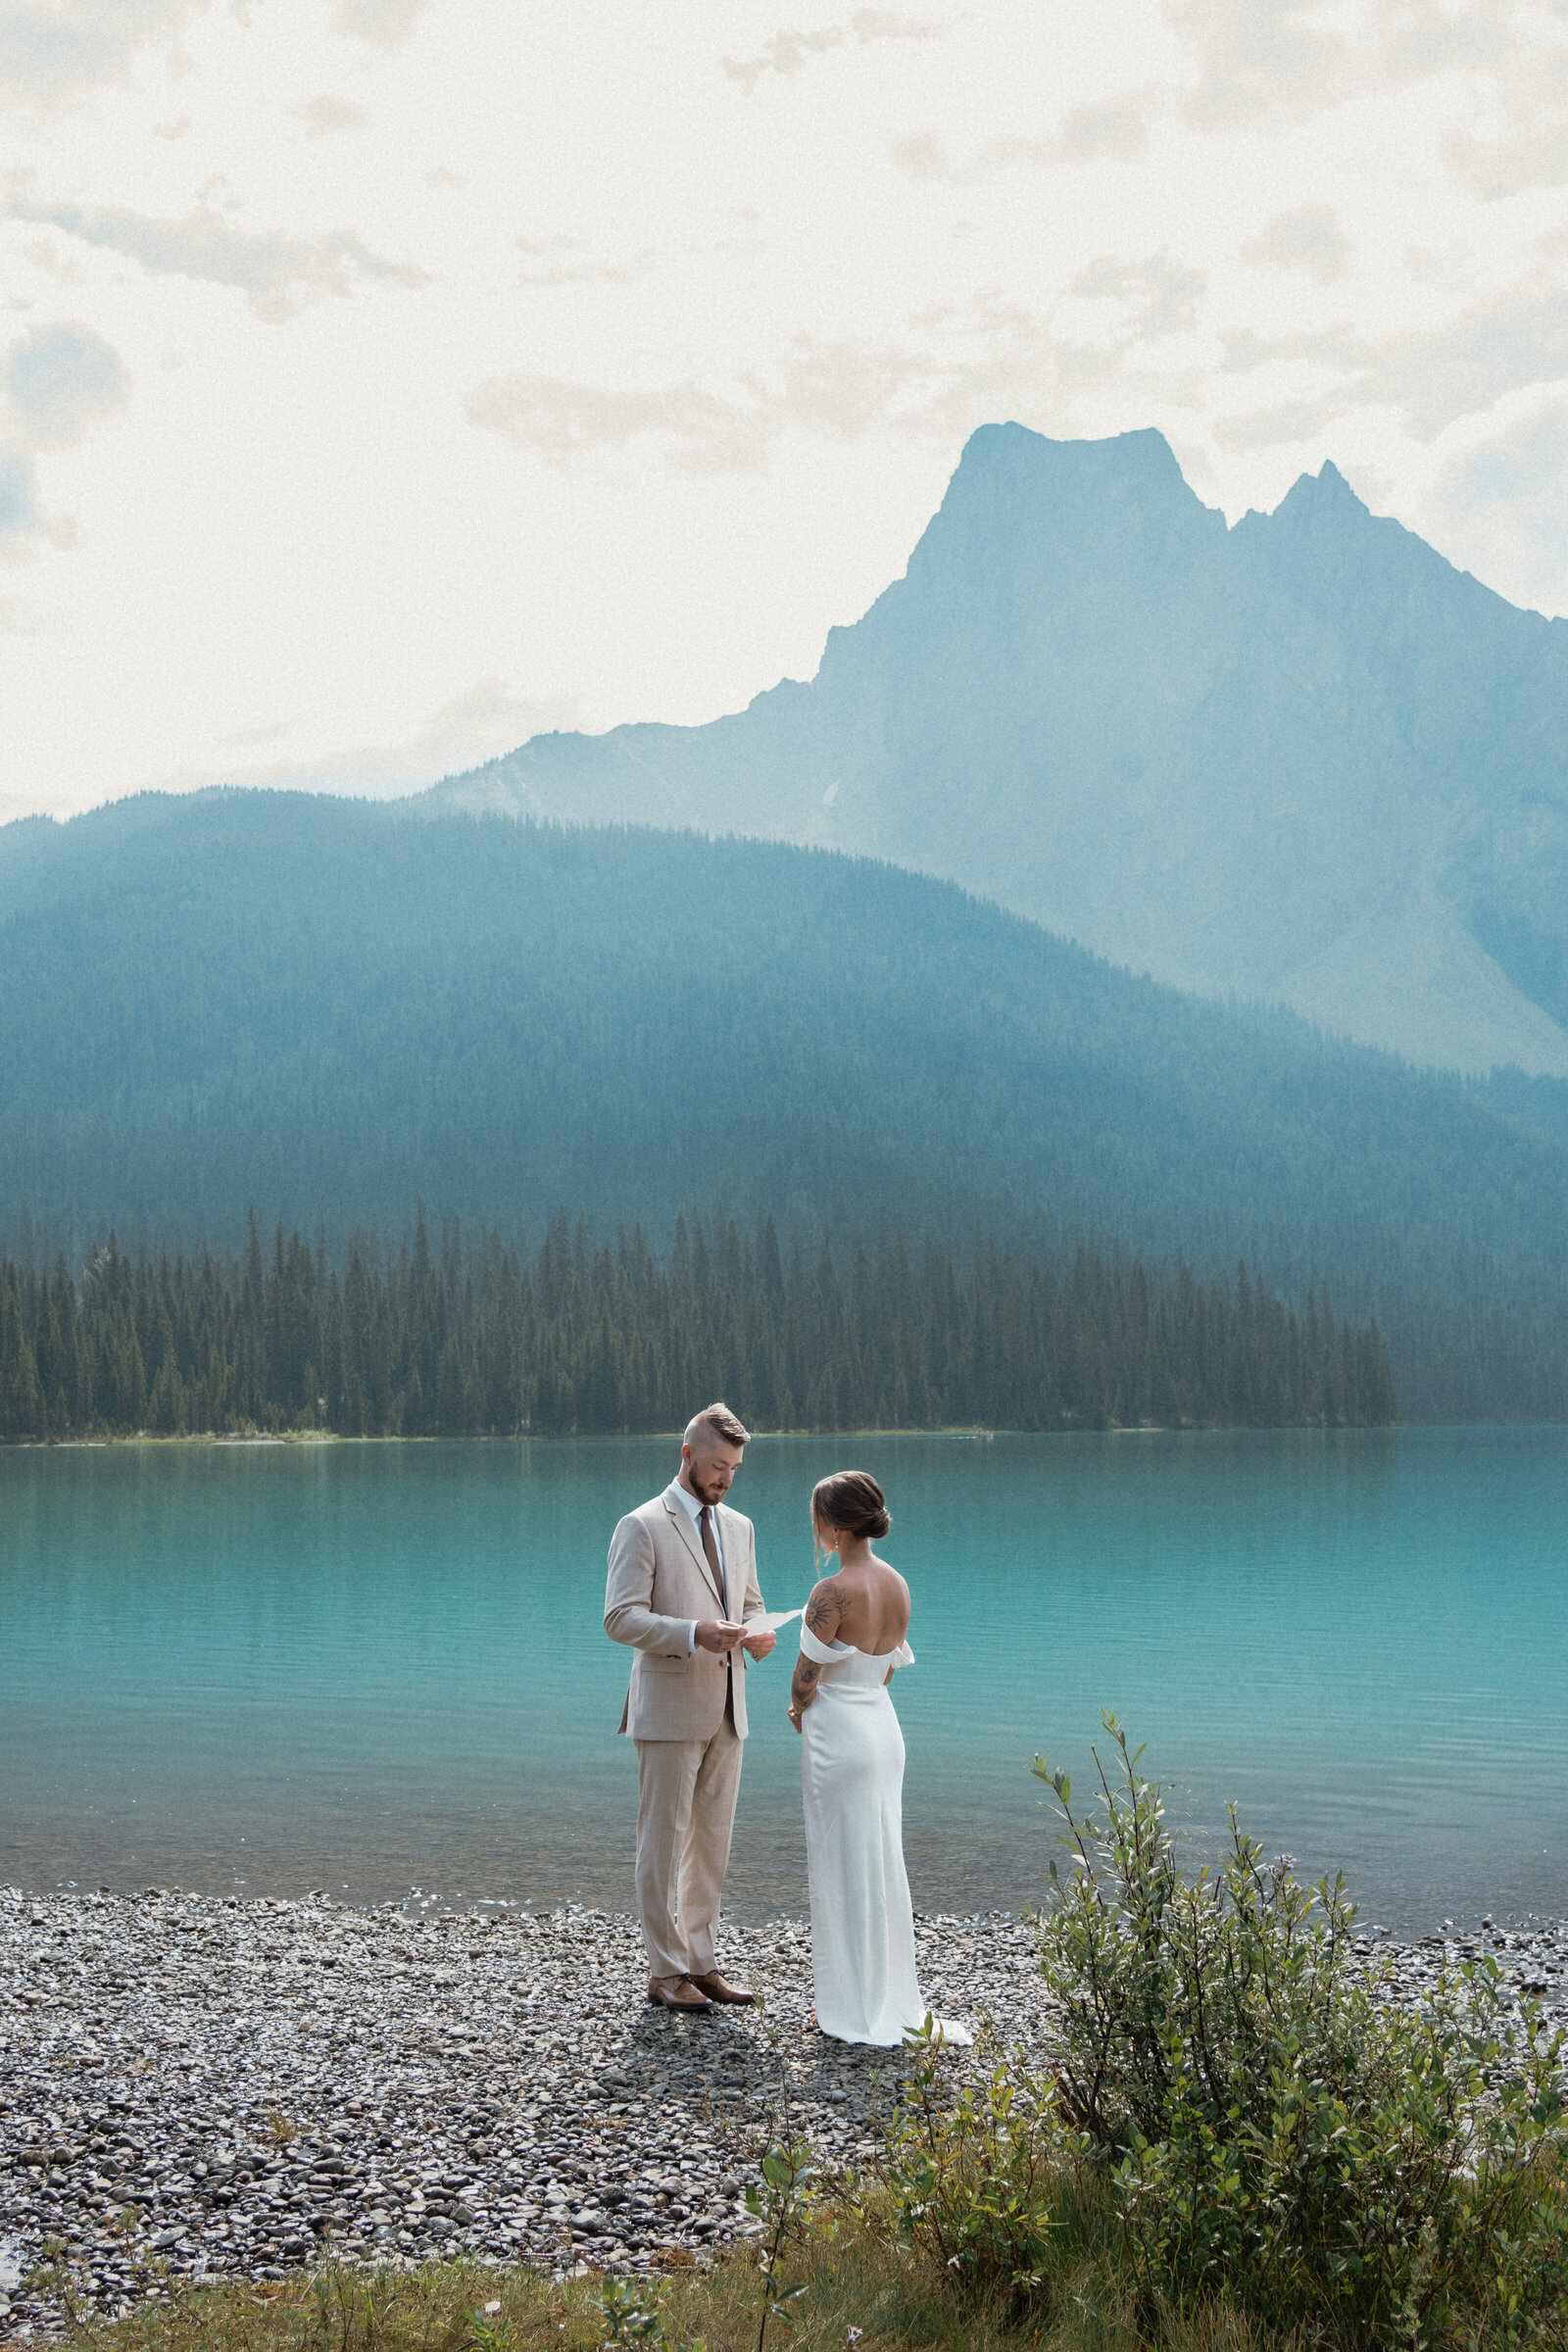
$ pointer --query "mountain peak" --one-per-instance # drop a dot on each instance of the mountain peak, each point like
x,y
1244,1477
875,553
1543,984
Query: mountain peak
x,y
1322,526
1017,494
1315,497
1289,761
1025,457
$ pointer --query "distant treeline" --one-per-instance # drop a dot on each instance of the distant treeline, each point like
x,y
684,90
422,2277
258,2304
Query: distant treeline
x,y
469,1341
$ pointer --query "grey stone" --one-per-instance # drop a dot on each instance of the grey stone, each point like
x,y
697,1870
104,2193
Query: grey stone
x,y
237,2119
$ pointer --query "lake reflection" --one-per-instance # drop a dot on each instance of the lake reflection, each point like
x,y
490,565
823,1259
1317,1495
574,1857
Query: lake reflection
x,y
369,1667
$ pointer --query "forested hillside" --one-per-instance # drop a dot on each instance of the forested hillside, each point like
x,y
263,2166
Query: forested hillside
x,y
592,1341
329,1008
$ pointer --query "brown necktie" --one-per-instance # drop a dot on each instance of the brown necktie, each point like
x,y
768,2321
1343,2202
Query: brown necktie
x,y
706,1521
710,1547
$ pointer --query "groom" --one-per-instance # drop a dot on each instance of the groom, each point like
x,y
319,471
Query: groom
x,y
682,1590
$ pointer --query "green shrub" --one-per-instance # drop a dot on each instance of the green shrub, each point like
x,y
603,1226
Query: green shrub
x,y
1245,2125
1276,2127
973,2183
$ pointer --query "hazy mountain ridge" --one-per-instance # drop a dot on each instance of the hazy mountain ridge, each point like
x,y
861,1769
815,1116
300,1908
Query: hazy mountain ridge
x,y
324,1007
1304,761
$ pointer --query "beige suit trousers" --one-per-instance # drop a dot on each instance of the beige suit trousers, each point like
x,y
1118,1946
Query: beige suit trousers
x,y
686,1791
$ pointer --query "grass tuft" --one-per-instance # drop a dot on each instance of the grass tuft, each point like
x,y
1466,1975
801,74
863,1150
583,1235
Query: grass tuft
x,y
862,2296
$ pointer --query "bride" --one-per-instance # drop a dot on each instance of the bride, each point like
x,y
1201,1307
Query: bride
x,y
851,1775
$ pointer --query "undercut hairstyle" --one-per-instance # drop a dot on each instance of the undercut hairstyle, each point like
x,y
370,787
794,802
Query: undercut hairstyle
x,y
723,1424
852,1501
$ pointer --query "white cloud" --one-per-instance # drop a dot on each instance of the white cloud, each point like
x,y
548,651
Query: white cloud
x,y
323,115
1155,295
19,495
51,47
480,724
1500,495
561,419
1497,343
1290,423
386,23
1116,127
567,262
1308,238
1494,343
1513,140
880,25
846,390
278,272
57,380
926,155
1254,60
785,53
1262,56
933,382
788,53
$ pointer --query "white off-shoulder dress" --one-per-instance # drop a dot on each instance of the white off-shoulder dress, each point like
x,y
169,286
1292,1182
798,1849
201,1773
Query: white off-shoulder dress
x,y
852,1781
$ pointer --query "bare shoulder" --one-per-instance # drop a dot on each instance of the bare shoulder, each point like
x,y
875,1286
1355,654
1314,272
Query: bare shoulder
x,y
893,1587
826,1606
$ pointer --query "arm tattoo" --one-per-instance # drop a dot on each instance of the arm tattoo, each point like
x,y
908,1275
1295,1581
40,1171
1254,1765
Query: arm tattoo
x,y
803,1686
822,1613
825,1606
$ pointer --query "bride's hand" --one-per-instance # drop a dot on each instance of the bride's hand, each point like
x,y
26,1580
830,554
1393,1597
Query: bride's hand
x,y
793,1714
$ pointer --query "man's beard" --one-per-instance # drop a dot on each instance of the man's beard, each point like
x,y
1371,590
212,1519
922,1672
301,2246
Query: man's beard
x,y
701,1485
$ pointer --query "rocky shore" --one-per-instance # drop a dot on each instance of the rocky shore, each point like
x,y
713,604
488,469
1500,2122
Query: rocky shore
x,y
196,2087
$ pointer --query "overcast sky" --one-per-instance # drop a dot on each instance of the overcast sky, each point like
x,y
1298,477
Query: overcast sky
x,y
383,381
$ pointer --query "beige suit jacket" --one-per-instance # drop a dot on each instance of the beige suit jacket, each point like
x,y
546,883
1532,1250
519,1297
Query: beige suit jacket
x,y
658,1582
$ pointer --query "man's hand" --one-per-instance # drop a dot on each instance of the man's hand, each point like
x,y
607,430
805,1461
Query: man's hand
x,y
758,1646
717,1634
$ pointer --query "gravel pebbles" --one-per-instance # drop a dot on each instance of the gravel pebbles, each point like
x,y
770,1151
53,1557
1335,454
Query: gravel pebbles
x,y
193,2086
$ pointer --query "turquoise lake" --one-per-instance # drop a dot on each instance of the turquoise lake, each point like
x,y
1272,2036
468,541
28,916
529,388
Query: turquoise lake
x,y
269,1668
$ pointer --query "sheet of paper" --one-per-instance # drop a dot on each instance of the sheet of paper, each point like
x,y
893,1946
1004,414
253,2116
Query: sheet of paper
x,y
774,1618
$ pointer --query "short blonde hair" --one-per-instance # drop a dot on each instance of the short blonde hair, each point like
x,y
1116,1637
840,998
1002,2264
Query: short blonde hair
x,y
723,1424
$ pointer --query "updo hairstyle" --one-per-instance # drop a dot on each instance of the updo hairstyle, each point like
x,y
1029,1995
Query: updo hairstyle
x,y
852,1501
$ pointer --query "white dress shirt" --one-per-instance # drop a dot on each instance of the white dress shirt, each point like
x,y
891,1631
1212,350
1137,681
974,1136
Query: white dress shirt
x,y
693,1506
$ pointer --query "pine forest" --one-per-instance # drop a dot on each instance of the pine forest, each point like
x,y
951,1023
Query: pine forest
x,y
468,1340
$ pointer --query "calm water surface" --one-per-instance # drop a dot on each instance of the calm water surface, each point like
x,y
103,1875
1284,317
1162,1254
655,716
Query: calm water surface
x,y
374,1667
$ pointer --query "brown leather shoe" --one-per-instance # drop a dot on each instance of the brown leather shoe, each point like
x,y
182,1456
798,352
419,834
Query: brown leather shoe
x,y
676,1993
717,1990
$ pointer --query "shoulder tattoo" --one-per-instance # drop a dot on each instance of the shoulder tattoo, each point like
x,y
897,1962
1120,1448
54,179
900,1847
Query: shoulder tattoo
x,y
825,1606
